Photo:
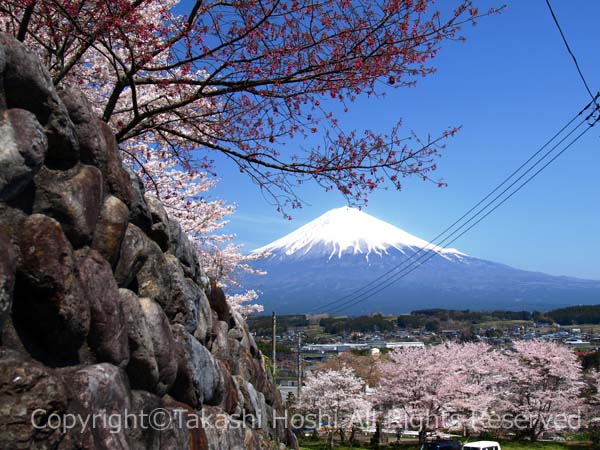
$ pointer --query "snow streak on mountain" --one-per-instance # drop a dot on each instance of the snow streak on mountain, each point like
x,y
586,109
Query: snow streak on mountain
x,y
344,249
349,231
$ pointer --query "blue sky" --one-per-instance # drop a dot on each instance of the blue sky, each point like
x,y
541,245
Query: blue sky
x,y
510,87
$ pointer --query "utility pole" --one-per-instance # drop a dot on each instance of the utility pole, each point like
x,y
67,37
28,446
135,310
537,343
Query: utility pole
x,y
274,345
299,364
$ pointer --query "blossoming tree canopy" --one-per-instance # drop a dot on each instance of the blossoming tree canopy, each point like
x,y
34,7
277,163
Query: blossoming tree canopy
x,y
337,397
184,195
546,383
424,387
535,386
241,78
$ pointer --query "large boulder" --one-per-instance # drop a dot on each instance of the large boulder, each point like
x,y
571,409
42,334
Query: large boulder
x,y
108,329
205,320
163,343
139,211
97,144
218,302
220,342
142,368
145,436
27,85
253,406
29,395
132,256
187,423
247,366
86,125
159,232
74,198
164,424
230,402
225,432
110,229
184,299
153,278
199,379
23,146
49,304
99,391
183,249
117,177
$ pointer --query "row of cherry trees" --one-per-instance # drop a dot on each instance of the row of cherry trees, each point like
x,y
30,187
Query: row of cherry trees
x,y
472,388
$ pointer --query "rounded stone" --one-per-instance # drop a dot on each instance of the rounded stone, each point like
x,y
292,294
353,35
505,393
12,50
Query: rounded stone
x,y
49,306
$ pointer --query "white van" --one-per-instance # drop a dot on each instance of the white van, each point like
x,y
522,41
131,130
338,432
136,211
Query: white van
x,y
482,445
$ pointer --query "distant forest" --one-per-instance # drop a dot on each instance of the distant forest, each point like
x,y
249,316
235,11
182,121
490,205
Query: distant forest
x,y
576,315
429,319
263,325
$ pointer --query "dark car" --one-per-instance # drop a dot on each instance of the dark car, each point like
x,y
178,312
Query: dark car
x,y
442,445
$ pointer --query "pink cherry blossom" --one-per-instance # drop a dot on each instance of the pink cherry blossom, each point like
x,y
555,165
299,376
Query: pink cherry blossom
x,y
248,79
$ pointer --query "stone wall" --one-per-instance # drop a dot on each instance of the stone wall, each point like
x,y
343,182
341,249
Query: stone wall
x,y
103,307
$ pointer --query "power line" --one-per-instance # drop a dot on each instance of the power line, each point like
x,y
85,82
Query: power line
x,y
398,277
433,243
401,275
445,242
425,251
570,51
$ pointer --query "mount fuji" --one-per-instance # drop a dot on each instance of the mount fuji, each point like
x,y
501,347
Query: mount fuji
x,y
321,266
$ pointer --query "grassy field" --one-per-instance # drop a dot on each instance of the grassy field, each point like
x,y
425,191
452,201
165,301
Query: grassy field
x,y
502,324
319,445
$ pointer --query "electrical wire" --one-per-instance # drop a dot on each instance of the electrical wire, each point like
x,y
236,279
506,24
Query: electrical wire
x,y
398,277
587,87
434,242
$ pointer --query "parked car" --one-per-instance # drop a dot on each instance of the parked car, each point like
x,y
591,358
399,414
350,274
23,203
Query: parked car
x,y
482,445
442,445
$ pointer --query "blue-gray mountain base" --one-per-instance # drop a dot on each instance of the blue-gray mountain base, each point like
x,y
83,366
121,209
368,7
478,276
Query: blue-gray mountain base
x,y
335,257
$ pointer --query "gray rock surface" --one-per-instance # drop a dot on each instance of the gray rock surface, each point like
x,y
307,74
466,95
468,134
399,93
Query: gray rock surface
x,y
154,277
74,198
159,232
107,337
142,368
23,146
185,298
29,393
165,351
140,213
182,248
110,229
100,390
27,85
49,304
199,380
132,255
205,319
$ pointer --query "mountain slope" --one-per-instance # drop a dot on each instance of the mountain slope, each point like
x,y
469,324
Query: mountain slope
x,y
347,231
345,248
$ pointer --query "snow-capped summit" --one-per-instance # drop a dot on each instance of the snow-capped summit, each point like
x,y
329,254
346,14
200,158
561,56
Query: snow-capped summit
x,y
346,252
348,231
